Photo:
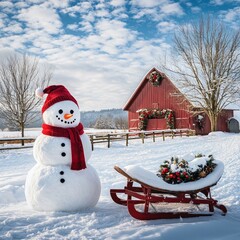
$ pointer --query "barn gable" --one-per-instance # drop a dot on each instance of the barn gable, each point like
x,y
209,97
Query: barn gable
x,y
157,92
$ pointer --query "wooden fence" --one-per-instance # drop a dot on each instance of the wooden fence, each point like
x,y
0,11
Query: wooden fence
x,y
15,141
106,138
142,135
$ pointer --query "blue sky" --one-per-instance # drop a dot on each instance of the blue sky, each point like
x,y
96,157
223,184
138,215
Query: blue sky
x,y
101,49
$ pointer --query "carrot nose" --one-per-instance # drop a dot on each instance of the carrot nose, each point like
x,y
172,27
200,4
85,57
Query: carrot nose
x,y
67,116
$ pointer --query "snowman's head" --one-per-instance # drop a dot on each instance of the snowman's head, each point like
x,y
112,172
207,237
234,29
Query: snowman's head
x,y
60,108
63,114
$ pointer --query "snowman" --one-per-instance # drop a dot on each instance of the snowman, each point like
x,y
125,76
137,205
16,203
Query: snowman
x,y
62,179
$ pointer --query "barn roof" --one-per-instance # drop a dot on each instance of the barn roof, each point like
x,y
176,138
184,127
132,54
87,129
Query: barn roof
x,y
143,82
138,89
140,86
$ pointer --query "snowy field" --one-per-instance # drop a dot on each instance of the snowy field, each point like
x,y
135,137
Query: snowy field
x,y
109,220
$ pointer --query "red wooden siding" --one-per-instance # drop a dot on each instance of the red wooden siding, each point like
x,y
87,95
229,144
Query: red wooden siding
x,y
167,96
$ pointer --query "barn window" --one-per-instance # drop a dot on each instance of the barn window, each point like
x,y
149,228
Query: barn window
x,y
155,105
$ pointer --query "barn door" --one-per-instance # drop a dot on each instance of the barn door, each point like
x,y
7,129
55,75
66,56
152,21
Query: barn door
x,y
233,125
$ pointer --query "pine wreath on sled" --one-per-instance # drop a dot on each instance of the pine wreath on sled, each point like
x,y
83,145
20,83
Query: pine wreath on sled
x,y
177,171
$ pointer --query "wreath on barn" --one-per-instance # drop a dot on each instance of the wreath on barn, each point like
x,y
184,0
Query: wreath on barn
x,y
155,78
145,114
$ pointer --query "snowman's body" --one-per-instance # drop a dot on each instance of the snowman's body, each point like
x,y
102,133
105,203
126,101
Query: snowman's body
x,y
52,185
48,150
59,188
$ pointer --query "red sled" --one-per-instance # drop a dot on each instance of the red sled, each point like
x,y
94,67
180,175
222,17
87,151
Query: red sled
x,y
149,201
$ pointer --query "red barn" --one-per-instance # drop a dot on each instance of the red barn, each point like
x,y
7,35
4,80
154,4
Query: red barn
x,y
158,104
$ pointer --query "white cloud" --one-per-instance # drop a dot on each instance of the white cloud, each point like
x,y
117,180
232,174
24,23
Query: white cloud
x,y
85,6
147,3
6,4
231,17
119,13
109,36
13,28
73,11
166,26
21,4
221,2
172,9
3,20
196,9
103,59
117,3
217,2
101,13
156,10
82,7
150,12
73,27
90,73
14,42
89,17
41,18
6,7
189,4
233,14
109,58
86,27
59,3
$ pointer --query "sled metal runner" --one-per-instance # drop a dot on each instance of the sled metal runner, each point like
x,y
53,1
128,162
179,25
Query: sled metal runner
x,y
146,196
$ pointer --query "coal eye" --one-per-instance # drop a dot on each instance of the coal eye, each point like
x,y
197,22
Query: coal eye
x,y
60,111
71,111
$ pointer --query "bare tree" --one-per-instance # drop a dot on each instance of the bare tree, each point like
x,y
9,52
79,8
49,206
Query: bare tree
x,y
19,78
105,122
209,74
121,122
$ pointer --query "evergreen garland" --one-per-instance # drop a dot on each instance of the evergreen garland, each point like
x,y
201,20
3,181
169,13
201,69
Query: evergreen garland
x,y
176,171
155,78
145,114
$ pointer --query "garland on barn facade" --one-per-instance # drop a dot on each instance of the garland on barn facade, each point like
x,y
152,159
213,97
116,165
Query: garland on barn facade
x,y
176,171
155,78
145,114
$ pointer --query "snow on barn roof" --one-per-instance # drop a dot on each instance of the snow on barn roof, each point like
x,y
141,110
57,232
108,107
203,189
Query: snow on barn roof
x,y
236,115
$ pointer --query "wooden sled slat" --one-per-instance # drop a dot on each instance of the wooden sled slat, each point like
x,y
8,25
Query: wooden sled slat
x,y
146,195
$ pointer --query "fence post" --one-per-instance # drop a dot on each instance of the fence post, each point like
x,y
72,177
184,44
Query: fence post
x,y
153,136
127,139
163,136
142,137
91,139
172,134
108,137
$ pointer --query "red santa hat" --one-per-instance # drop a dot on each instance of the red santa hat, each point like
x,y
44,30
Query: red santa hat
x,y
56,93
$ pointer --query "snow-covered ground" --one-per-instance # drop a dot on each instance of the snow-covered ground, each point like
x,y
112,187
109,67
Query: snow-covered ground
x,y
109,220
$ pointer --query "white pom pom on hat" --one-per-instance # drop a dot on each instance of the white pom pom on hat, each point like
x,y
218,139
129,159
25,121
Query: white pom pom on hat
x,y
39,92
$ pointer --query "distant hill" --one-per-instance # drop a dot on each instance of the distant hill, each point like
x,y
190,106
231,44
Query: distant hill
x,y
88,118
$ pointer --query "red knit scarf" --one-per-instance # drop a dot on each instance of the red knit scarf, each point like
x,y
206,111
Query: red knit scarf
x,y
78,159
